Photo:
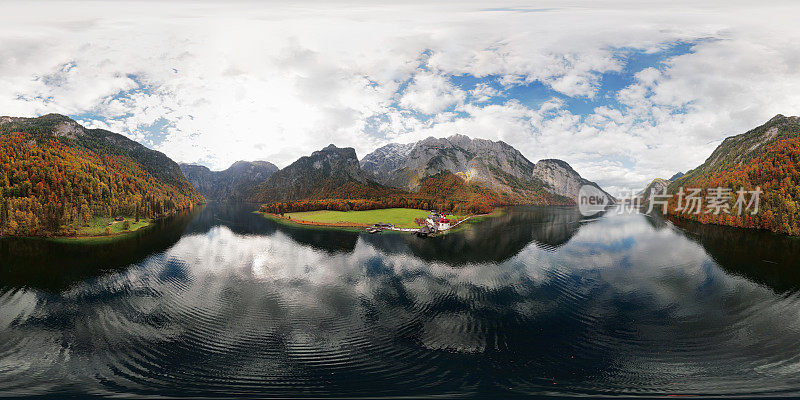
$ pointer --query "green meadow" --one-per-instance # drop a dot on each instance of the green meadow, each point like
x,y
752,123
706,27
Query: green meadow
x,y
97,227
400,217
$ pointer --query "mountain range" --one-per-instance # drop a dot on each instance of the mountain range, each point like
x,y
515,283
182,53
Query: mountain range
x,y
57,173
435,172
332,178
493,165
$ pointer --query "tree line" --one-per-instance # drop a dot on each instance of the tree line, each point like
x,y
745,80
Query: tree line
x,y
775,171
49,186
444,192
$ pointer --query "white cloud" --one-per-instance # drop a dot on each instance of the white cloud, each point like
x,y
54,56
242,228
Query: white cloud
x,y
483,92
276,81
431,93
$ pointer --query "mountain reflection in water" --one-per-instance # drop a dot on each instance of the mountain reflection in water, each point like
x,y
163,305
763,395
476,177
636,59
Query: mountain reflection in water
x,y
223,302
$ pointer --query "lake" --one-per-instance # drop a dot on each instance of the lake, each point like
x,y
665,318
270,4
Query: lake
x,y
539,301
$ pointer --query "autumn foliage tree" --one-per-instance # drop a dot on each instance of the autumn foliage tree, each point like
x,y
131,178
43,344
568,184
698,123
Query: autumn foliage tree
x,y
49,186
775,171
444,192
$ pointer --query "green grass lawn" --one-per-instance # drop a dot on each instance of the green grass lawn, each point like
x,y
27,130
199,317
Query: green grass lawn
x,y
400,217
97,226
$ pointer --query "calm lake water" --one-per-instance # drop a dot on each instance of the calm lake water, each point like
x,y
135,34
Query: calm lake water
x,y
223,302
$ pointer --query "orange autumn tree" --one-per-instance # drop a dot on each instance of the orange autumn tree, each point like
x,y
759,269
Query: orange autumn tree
x,y
48,185
444,191
775,171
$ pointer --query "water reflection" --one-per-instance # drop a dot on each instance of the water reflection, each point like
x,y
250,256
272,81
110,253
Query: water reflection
x,y
761,256
493,240
54,265
538,302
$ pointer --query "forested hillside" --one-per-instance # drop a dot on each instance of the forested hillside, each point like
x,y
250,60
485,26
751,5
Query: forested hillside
x,y
56,175
767,157
332,179
444,191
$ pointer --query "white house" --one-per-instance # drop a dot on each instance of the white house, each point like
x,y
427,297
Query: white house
x,y
431,220
437,221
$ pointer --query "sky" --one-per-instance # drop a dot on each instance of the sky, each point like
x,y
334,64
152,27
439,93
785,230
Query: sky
x,y
623,91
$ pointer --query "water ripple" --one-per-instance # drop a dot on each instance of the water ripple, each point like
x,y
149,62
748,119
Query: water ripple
x,y
223,314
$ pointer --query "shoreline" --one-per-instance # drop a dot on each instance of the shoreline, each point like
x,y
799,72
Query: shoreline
x,y
352,226
112,236
476,218
85,238
92,238
673,218
150,222
297,222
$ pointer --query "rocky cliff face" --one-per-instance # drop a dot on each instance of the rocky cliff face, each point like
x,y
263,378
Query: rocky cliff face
x,y
200,177
385,160
55,124
231,184
476,160
338,163
495,165
320,175
561,179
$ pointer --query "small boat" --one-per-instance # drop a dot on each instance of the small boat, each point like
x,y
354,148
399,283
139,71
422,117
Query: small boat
x,y
373,229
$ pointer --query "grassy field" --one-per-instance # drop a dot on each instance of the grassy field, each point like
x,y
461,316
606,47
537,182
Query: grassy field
x,y
97,226
401,217
476,219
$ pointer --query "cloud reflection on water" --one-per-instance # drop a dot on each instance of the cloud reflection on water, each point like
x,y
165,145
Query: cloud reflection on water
x,y
617,307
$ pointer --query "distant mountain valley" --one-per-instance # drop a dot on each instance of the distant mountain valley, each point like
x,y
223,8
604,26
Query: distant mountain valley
x,y
231,184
